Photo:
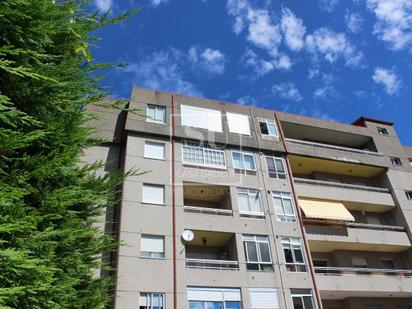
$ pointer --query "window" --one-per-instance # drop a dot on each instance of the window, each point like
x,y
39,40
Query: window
x,y
302,299
268,128
203,156
285,211
388,264
152,246
154,150
249,201
201,118
276,167
257,252
243,161
408,195
359,262
152,301
213,298
396,161
410,161
156,114
370,219
238,123
382,131
153,194
292,249
264,298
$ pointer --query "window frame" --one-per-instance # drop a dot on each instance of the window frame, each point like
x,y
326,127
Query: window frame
x,y
152,254
242,155
154,143
257,241
151,294
267,122
297,267
250,194
276,174
382,131
302,296
156,107
396,161
204,149
408,195
284,196
153,185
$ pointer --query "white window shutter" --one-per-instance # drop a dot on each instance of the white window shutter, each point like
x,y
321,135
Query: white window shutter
x,y
151,243
201,118
154,150
238,123
153,194
264,298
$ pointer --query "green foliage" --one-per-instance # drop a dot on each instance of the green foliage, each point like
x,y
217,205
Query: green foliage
x,y
49,202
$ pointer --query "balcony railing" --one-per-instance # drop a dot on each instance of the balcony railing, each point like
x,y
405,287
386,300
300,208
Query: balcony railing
x,y
340,185
333,147
356,225
208,211
212,264
363,271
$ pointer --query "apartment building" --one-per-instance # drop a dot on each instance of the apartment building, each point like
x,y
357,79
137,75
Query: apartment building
x,y
243,207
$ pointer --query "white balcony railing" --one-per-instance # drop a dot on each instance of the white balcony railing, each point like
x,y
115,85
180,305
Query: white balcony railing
x,y
336,271
333,147
316,182
212,264
208,211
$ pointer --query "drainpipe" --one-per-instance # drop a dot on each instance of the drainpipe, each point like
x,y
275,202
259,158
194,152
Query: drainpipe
x,y
174,206
299,212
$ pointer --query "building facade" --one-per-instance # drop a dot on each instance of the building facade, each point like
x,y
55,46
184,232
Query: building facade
x,y
243,207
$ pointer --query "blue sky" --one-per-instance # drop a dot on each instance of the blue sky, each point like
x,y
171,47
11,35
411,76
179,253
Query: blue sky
x,y
333,59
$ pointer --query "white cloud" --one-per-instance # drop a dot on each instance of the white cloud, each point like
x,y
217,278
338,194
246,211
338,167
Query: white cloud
x,y
388,79
393,22
354,22
326,86
328,5
157,2
210,60
162,70
287,91
293,29
247,100
103,5
261,30
331,45
261,66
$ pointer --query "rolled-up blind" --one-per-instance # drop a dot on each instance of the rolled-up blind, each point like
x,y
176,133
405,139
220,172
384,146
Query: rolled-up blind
x,y
264,298
238,123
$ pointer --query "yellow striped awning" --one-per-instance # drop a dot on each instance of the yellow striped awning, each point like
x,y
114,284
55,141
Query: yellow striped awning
x,y
324,209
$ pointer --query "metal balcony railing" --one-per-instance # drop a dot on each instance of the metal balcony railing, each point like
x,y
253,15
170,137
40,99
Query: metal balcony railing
x,y
208,211
212,264
316,182
333,147
355,225
337,271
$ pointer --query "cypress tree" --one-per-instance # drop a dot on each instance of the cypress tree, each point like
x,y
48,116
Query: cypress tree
x,y
49,202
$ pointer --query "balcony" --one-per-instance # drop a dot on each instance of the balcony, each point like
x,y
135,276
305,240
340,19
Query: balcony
x,y
342,282
326,236
206,199
212,250
331,144
356,197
